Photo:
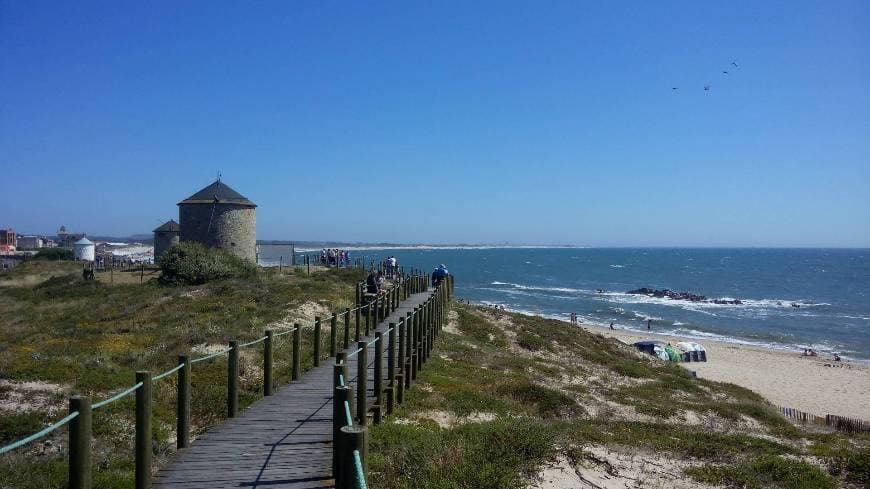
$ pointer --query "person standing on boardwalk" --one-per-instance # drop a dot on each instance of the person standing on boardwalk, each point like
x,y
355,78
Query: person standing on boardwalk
x,y
439,274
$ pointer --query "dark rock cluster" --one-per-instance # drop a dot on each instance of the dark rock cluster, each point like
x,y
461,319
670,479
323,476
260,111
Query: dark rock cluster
x,y
681,296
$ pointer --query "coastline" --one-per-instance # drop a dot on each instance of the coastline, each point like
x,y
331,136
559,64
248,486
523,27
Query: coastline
x,y
816,385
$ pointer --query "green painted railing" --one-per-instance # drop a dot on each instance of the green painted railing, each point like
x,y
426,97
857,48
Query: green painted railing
x,y
80,410
416,336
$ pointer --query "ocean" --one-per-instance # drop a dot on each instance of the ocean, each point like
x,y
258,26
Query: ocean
x,y
791,298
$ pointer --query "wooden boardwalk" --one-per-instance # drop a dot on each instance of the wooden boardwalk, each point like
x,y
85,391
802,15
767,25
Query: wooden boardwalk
x,y
281,441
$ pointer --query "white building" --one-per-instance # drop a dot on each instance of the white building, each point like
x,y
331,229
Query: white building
x,y
83,249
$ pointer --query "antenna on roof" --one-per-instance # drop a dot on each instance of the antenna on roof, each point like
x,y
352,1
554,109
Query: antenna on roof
x,y
219,177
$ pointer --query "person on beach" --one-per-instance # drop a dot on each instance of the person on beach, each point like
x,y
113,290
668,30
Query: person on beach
x,y
611,325
648,324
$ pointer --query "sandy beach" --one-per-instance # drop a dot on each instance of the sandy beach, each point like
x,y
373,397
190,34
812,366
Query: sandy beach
x,y
814,385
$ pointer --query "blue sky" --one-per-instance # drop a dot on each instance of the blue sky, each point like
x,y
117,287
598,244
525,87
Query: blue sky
x,y
475,122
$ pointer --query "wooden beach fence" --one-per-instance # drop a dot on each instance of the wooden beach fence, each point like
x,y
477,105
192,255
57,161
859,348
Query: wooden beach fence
x,y
839,423
80,415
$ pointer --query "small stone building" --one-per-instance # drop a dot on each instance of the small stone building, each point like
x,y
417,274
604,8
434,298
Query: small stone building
x,y
165,236
220,217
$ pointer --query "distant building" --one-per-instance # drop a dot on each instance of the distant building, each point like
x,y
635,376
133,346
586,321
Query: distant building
x,y
30,242
8,240
83,249
66,239
220,217
165,237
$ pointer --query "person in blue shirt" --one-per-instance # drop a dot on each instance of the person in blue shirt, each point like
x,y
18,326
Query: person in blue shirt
x,y
439,274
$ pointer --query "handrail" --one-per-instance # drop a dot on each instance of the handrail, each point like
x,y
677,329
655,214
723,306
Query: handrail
x,y
361,476
253,342
39,434
415,344
391,299
282,333
114,398
209,357
168,372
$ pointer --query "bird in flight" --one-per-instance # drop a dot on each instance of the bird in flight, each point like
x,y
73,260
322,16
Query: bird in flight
x,y
675,88
706,88
724,72
734,64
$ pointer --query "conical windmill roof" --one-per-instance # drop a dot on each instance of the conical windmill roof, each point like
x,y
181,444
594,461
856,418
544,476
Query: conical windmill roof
x,y
218,193
169,225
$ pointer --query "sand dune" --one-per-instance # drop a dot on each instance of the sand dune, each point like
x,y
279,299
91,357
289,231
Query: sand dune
x,y
814,385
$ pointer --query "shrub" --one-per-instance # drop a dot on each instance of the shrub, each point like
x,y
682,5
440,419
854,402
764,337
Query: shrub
x,y
764,472
54,254
194,264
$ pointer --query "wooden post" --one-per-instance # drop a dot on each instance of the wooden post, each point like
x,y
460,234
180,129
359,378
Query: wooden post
x,y
346,342
379,370
362,370
399,385
358,313
402,349
351,439
280,263
333,338
369,313
412,347
339,419
391,353
391,398
143,451
267,364
297,357
317,341
79,476
233,380
424,332
338,371
418,344
182,421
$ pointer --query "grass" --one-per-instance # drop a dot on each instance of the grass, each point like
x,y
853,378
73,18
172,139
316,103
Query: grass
x,y
90,338
520,390
769,471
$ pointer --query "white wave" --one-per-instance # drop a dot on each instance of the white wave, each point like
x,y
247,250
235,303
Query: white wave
x,y
622,297
543,289
617,266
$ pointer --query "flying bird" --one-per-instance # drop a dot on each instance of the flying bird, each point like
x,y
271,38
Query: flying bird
x,y
734,64
706,88
725,72
675,88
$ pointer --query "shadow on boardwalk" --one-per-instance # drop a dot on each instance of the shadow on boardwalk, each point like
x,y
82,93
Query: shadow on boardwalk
x,y
281,441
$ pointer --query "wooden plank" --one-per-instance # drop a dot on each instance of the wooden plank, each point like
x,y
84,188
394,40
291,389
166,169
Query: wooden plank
x,y
282,441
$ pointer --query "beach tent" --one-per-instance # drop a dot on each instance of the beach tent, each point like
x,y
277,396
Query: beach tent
x,y
654,348
694,351
673,354
690,346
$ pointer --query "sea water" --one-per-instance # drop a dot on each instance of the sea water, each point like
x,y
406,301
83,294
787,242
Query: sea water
x,y
791,298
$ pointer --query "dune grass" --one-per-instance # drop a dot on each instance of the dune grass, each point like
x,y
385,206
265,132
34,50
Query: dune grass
x,y
89,338
518,391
